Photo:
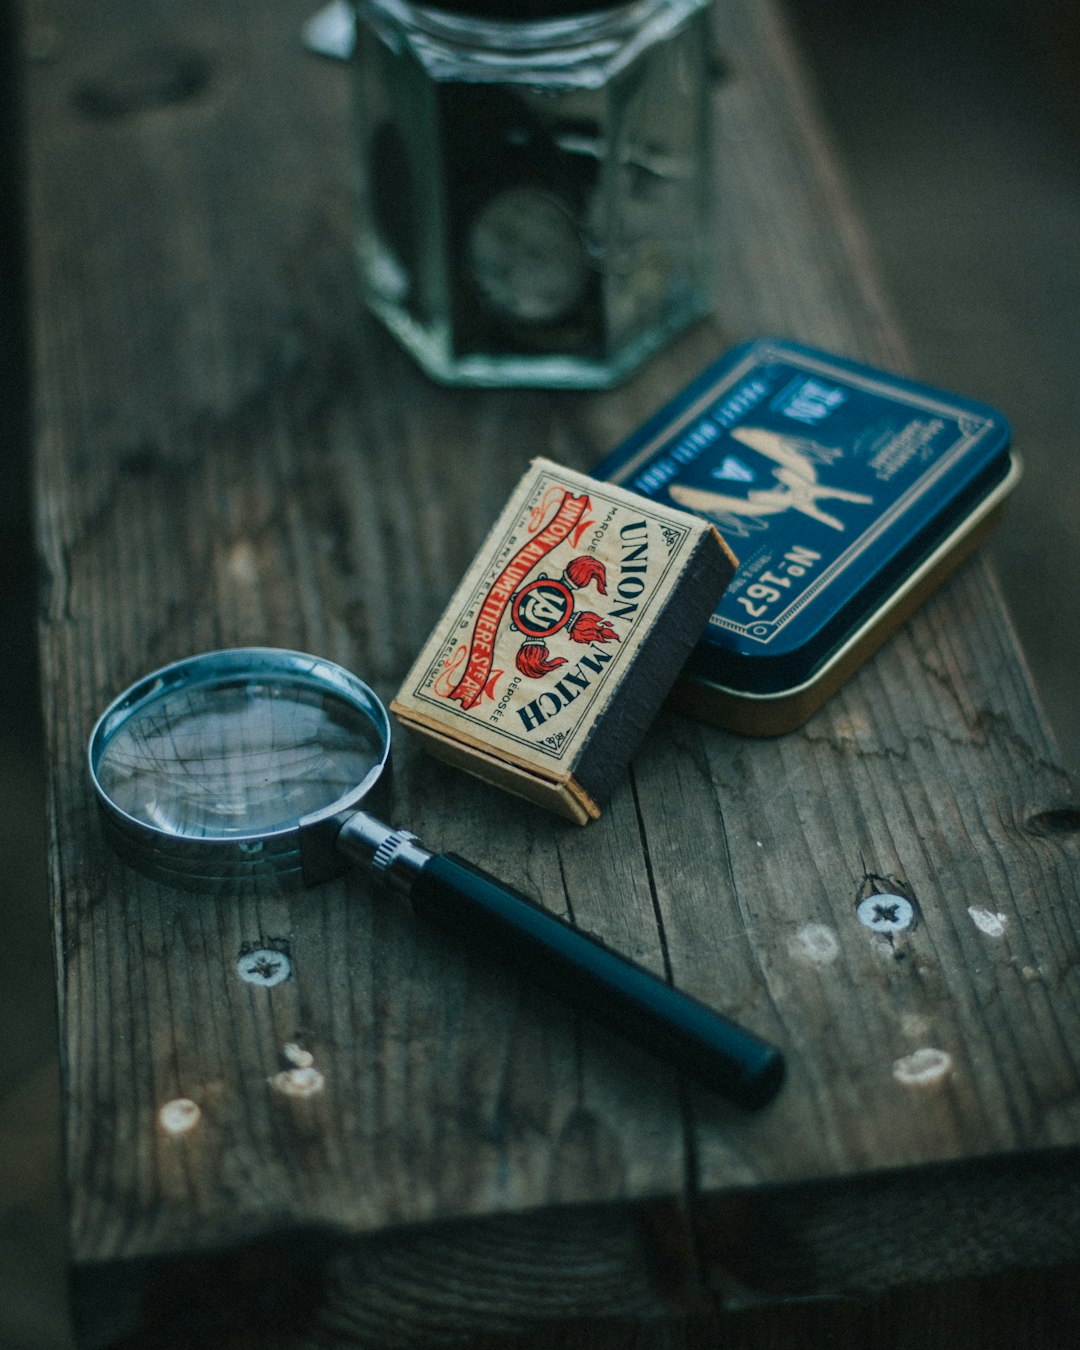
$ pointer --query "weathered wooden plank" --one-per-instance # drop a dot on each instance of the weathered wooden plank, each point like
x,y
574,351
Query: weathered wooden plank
x,y
229,451
929,768
933,768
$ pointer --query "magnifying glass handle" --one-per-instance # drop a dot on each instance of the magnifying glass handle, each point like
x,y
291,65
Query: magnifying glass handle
x,y
598,982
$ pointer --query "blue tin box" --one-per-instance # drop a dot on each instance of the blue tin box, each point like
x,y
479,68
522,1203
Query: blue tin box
x,y
848,494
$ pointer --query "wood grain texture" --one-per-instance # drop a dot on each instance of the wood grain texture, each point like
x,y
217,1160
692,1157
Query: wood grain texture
x,y
229,451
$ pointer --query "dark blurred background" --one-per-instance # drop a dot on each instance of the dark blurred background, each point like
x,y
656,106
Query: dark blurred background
x,y
958,125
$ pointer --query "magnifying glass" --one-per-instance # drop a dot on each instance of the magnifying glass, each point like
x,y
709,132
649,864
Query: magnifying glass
x,y
258,764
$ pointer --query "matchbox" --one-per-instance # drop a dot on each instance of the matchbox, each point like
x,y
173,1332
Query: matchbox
x,y
563,638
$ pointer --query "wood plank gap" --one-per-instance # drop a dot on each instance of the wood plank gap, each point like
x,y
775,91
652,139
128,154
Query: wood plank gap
x,y
695,1265
664,953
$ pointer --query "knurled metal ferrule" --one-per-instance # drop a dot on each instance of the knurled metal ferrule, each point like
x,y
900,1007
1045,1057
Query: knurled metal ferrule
x,y
395,856
383,857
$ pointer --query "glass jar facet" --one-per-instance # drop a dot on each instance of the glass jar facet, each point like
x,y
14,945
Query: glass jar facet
x,y
534,195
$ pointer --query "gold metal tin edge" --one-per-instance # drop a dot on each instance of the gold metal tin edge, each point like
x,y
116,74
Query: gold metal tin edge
x,y
784,710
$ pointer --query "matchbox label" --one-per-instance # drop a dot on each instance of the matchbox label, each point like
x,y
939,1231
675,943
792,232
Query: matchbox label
x,y
548,618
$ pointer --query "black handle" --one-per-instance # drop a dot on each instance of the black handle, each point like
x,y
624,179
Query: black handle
x,y
597,981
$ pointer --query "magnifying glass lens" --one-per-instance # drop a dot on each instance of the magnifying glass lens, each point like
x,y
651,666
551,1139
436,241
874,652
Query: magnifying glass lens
x,y
215,760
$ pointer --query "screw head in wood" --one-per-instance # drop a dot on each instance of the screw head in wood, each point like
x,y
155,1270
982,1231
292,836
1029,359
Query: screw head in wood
x,y
886,913
264,966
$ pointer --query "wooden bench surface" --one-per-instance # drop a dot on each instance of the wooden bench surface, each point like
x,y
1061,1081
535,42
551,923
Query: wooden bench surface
x,y
230,451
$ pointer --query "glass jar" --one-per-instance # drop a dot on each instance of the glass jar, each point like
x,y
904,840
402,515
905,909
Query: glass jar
x,y
534,191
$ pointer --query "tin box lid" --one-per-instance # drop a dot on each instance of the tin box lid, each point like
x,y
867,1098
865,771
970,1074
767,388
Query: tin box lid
x,y
829,479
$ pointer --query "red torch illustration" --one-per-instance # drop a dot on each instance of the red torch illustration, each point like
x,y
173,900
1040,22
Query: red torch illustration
x,y
546,606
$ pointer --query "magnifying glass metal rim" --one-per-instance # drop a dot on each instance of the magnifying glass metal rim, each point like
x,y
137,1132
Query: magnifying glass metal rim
x,y
294,854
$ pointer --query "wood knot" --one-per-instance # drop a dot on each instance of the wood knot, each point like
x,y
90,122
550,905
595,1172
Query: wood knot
x,y
153,78
1052,824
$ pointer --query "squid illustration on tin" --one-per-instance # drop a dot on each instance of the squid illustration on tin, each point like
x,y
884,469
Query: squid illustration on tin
x,y
797,487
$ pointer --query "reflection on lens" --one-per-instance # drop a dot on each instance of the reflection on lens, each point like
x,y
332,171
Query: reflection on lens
x,y
233,758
